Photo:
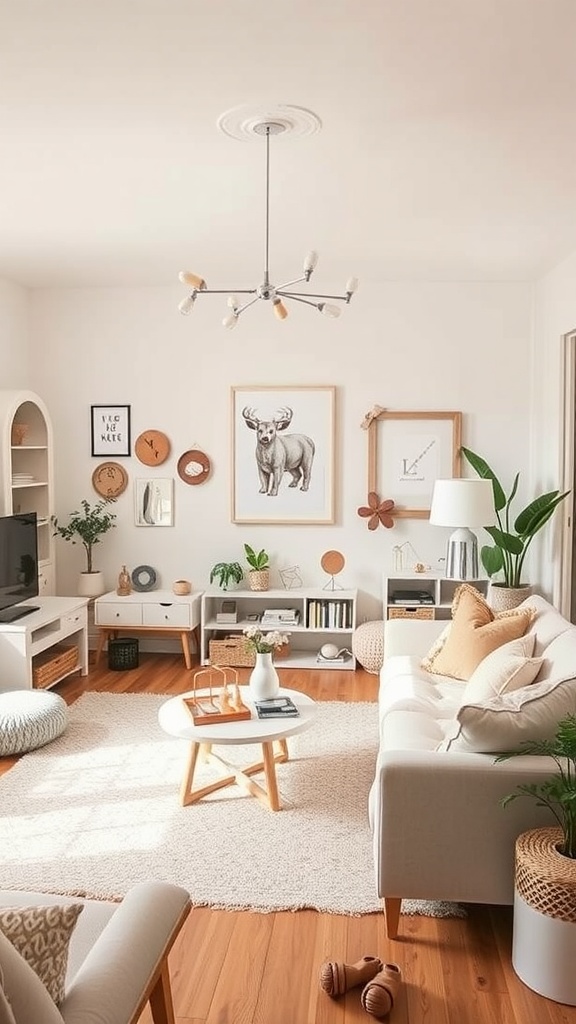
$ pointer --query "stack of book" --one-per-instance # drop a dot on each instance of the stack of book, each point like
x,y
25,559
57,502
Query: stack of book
x,y
276,707
279,618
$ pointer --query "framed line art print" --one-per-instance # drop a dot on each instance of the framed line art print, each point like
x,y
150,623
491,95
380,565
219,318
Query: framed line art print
x,y
153,502
110,430
282,454
407,452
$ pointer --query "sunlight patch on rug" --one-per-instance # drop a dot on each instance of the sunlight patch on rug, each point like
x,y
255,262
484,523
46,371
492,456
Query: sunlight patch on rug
x,y
97,810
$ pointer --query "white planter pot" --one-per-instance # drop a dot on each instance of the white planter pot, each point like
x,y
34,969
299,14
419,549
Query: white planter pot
x,y
264,682
91,584
544,939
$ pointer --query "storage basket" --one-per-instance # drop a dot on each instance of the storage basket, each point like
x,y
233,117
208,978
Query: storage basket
x,y
231,650
51,665
410,613
123,653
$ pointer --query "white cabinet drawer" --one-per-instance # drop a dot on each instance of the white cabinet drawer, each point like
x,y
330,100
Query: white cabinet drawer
x,y
117,614
74,619
174,615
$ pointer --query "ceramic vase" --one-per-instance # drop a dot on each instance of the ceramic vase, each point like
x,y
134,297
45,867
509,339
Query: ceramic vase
x,y
264,682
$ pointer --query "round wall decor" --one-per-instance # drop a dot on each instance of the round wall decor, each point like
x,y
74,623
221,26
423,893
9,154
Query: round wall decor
x,y
109,479
143,578
152,447
194,467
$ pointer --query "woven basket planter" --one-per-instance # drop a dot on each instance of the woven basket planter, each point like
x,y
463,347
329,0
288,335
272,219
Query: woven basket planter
x,y
544,943
504,599
259,579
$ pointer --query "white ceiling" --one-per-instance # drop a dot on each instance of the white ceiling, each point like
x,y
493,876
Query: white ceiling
x,y
447,150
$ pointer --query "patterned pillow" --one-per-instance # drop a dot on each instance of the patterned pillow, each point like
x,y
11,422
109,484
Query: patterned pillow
x,y
42,934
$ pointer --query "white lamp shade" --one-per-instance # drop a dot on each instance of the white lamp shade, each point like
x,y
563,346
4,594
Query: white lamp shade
x,y
463,503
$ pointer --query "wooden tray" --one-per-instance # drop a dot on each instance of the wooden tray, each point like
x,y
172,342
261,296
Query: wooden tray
x,y
217,707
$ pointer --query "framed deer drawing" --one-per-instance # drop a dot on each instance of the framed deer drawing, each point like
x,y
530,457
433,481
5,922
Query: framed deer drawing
x,y
283,454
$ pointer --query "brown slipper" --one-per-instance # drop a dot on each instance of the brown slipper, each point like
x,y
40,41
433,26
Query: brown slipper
x,y
379,995
337,977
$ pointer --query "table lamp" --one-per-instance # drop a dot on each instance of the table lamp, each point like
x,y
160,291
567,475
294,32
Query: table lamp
x,y
463,504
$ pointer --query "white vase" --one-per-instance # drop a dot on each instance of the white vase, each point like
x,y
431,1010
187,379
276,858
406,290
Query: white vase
x,y
264,682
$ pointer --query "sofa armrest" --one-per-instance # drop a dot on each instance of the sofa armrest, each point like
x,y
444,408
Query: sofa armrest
x,y
413,637
127,961
439,831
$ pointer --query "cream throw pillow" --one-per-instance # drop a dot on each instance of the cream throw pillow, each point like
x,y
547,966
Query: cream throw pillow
x,y
475,632
507,668
42,934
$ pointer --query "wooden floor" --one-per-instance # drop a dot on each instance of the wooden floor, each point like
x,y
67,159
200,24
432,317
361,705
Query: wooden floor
x,y
244,968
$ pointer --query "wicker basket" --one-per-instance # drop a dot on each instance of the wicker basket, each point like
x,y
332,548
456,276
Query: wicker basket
x,y
410,613
53,664
231,650
259,579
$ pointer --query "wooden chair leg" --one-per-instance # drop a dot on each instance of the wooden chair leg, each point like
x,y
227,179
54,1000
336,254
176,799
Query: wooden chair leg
x,y
392,907
161,998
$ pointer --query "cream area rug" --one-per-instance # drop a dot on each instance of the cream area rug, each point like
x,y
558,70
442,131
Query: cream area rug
x,y
97,810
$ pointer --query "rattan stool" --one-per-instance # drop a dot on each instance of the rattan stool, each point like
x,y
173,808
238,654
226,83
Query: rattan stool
x,y
368,645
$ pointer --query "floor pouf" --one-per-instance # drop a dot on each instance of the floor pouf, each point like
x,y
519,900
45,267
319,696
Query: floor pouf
x,y
29,719
368,645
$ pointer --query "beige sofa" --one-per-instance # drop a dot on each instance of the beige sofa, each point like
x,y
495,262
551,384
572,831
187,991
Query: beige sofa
x,y
117,960
438,829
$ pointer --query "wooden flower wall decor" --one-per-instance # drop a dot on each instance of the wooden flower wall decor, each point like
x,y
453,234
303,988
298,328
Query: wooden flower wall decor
x,y
378,513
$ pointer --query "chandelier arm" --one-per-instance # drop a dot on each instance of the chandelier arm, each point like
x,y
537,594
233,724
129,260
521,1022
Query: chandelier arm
x,y
297,298
227,291
245,306
288,284
312,295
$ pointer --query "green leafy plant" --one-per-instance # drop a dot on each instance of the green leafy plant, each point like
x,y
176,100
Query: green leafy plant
x,y
256,561
511,541
559,792
87,526
226,573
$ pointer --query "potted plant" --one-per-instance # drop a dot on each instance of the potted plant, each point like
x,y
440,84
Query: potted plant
x,y
87,527
226,573
259,574
544,948
511,540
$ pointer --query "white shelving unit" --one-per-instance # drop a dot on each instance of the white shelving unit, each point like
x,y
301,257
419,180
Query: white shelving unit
x,y
58,620
440,590
306,639
33,457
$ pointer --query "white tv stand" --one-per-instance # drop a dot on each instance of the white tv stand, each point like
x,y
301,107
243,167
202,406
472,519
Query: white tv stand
x,y
57,619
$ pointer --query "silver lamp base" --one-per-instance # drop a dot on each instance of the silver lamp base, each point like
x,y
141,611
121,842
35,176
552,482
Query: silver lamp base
x,y
462,555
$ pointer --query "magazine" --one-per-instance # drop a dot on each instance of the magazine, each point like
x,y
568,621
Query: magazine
x,y
276,707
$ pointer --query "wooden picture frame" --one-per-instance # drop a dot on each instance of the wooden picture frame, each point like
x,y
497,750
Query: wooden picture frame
x,y
262,417
110,430
407,452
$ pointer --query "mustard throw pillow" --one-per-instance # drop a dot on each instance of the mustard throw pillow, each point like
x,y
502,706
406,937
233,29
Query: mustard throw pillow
x,y
475,632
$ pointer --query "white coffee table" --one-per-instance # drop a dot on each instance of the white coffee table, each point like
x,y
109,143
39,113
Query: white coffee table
x,y
272,734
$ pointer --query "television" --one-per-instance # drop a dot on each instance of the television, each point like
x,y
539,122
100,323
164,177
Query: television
x,y
18,565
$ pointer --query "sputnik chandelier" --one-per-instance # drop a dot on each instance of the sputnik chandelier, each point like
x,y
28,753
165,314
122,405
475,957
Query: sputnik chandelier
x,y
239,123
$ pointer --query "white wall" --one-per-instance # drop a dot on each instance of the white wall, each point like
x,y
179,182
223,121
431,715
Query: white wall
x,y
404,346
14,337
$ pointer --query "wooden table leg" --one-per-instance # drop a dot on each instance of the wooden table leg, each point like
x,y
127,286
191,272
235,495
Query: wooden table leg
x,y
186,787
270,774
185,640
102,636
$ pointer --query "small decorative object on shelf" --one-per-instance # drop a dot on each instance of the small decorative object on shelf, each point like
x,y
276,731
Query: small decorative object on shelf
x,y
259,573
225,706
332,562
124,583
19,431
182,587
291,577
264,682
226,573
378,513
143,578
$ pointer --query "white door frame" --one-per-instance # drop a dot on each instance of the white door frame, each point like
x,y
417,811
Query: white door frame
x,y
563,599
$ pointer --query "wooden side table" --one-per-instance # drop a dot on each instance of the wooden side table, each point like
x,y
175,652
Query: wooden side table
x,y
158,611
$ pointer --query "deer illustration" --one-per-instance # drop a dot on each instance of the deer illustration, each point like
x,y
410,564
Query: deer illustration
x,y
276,455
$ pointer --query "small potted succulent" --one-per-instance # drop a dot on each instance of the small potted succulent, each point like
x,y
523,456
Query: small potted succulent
x,y
87,527
259,573
227,573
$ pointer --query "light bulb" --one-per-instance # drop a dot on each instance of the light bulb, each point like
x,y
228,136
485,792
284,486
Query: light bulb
x,y
351,285
309,263
328,310
233,301
280,309
230,321
186,277
187,304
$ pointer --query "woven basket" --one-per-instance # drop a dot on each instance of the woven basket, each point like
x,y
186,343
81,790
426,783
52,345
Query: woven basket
x,y
53,664
410,613
232,650
259,579
545,879
181,587
504,599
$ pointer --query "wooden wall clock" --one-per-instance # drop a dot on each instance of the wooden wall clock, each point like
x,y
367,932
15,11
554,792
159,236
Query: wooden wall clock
x,y
109,479
152,447
194,467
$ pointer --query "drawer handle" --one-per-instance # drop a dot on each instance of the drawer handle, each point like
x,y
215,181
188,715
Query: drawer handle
x,y
166,604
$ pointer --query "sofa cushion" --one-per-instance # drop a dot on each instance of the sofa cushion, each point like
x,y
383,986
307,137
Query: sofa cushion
x,y
41,934
24,992
503,723
507,668
475,632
